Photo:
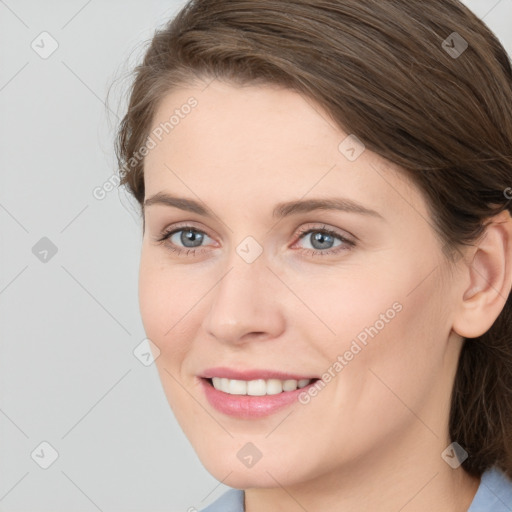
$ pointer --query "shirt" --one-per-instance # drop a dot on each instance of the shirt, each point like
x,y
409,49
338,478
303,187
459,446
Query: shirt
x,y
494,494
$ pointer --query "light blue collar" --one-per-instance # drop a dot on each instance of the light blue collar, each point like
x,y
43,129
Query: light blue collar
x,y
494,493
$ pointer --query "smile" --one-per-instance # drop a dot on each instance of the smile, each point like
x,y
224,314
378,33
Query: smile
x,y
258,387
252,394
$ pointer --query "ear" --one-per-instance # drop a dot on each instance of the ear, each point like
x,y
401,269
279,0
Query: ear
x,y
489,274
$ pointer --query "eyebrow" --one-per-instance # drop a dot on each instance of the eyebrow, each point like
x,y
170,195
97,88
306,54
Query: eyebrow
x,y
280,211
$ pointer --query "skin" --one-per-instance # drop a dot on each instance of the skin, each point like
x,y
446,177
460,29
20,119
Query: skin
x,y
372,438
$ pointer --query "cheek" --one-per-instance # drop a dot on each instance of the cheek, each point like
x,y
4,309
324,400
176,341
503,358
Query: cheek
x,y
153,301
390,340
356,307
164,301
166,293
403,361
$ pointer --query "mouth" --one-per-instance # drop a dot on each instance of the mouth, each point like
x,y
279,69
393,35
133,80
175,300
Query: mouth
x,y
252,395
257,387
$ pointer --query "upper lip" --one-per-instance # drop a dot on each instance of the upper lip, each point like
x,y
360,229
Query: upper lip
x,y
254,374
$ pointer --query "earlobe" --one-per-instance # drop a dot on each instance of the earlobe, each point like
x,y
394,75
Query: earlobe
x,y
490,279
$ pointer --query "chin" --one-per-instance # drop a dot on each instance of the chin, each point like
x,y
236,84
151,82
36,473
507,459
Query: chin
x,y
230,463
259,476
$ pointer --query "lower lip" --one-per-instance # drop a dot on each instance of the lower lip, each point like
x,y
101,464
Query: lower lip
x,y
249,407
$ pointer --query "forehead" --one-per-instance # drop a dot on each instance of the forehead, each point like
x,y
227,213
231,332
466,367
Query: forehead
x,y
249,125
266,143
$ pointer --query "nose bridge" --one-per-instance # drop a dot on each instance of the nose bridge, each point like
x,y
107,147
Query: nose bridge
x,y
244,301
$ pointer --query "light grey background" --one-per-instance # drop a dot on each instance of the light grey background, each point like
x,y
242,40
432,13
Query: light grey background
x,y
69,325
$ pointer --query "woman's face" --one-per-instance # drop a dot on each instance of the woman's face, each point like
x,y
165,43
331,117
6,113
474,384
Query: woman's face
x,y
260,286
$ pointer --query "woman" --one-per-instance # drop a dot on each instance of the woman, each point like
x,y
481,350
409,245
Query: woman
x,y
326,263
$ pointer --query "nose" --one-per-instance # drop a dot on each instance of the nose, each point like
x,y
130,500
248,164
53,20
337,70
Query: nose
x,y
245,304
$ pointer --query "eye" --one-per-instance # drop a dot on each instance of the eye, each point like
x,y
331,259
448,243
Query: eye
x,y
183,238
323,241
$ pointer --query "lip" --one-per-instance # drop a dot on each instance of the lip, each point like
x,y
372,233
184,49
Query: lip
x,y
230,373
245,406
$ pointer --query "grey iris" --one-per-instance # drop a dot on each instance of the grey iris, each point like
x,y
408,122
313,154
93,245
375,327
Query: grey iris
x,y
322,238
191,236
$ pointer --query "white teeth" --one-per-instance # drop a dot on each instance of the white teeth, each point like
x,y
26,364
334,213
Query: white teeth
x,y
290,385
274,386
258,387
237,387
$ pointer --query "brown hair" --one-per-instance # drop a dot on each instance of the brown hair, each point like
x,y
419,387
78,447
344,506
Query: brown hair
x,y
393,73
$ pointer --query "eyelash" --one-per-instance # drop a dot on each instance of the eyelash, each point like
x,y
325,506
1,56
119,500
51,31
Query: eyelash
x,y
346,243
